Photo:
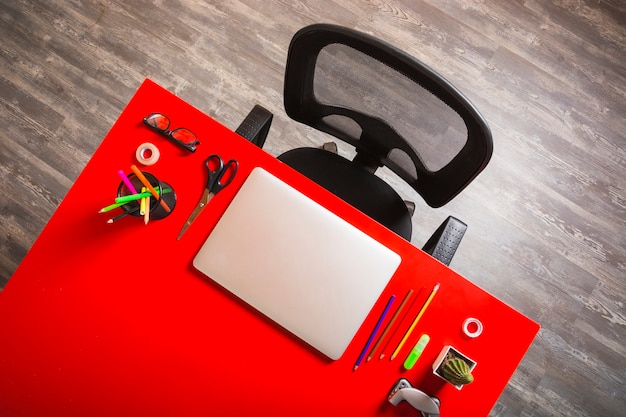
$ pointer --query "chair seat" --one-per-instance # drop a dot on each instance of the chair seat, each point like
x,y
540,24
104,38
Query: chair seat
x,y
353,184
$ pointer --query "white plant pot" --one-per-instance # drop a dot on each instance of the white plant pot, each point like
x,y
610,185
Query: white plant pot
x,y
445,352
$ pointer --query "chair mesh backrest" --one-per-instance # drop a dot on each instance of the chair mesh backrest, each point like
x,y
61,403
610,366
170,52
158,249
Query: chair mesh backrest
x,y
348,78
394,109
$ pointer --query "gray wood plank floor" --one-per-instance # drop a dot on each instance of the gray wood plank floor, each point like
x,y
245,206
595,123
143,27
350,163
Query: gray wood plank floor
x,y
546,218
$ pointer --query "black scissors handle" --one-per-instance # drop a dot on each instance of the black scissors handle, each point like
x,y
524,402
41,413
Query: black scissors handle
x,y
217,170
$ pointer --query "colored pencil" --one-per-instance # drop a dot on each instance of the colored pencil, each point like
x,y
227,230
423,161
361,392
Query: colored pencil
x,y
122,215
406,313
149,186
133,197
373,335
146,215
111,207
146,210
393,319
123,200
417,318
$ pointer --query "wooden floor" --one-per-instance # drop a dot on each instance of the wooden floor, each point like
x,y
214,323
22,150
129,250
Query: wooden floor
x,y
546,218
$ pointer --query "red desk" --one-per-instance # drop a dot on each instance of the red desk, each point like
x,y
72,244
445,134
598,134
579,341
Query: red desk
x,y
112,319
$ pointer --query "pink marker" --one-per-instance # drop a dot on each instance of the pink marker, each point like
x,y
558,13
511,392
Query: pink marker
x,y
127,182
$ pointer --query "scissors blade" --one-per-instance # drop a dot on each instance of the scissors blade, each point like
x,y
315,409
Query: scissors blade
x,y
204,200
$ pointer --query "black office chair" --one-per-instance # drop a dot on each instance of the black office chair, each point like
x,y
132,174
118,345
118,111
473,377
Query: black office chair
x,y
397,113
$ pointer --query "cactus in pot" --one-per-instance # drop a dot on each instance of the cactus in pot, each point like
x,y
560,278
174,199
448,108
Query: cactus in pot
x,y
457,371
454,367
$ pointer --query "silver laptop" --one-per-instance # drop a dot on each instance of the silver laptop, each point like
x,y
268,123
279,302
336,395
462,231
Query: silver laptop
x,y
297,263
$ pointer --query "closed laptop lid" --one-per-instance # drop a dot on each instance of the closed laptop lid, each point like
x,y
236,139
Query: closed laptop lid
x,y
297,263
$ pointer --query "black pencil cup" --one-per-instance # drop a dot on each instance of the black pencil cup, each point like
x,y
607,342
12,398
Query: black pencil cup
x,y
157,211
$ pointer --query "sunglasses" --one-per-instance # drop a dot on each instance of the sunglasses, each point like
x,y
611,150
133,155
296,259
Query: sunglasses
x,y
181,136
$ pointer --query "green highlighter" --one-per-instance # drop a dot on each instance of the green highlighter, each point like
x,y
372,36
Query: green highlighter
x,y
416,352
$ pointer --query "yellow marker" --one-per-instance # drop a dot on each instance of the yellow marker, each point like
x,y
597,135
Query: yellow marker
x,y
416,352
142,203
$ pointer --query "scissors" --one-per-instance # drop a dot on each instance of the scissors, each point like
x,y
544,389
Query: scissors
x,y
217,171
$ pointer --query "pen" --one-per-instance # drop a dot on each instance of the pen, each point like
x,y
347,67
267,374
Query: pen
x,y
419,316
149,186
393,319
369,341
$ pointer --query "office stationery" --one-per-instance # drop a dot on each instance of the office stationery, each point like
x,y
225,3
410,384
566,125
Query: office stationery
x,y
126,181
123,200
382,352
317,278
146,214
142,202
145,201
416,352
147,154
417,318
391,322
472,327
111,207
122,215
116,218
426,405
149,186
216,169
134,197
371,338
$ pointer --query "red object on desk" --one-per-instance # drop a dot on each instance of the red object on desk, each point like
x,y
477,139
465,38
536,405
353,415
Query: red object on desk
x,y
112,319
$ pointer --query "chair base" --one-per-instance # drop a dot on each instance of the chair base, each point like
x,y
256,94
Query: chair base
x,y
356,186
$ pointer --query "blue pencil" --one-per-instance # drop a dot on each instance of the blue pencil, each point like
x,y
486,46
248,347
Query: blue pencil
x,y
373,335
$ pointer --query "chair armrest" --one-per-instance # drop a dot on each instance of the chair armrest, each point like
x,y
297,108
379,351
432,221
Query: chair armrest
x,y
444,242
256,126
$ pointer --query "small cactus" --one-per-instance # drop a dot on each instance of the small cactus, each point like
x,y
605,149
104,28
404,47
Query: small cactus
x,y
457,371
